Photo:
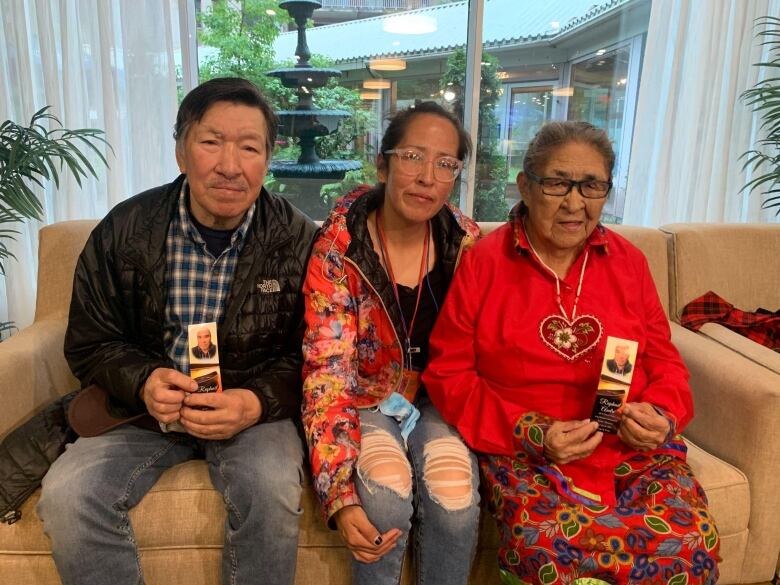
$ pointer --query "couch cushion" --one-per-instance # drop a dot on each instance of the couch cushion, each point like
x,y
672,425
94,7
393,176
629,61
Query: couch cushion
x,y
654,245
728,493
58,250
182,511
727,490
739,262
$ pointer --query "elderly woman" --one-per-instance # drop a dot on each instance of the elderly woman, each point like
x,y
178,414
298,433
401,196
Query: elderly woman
x,y
381,455
517,356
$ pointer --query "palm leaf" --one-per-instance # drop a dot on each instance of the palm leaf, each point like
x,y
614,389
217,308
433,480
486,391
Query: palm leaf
x,y
32,156
764,99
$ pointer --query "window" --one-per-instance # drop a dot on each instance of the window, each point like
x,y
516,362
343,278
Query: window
x,y
527,108
574,59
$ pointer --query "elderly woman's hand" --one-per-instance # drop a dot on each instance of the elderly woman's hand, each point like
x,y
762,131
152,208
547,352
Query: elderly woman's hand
x,y
569,440
642,427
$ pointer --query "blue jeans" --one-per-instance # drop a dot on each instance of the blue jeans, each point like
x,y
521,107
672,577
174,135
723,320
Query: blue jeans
x,y
445,528
90,488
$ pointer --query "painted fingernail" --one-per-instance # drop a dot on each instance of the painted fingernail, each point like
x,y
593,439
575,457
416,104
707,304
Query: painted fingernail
x,y
378,539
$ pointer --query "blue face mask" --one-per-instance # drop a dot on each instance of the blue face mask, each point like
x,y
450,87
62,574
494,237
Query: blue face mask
x,y
401,410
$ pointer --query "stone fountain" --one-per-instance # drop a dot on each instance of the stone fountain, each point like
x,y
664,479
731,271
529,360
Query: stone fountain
x,y
305,122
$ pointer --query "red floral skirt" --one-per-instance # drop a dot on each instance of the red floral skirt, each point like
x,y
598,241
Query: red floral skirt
x,y
660,531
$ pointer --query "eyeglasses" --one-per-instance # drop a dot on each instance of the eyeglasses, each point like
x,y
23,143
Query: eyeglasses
x,y
559,187
411,162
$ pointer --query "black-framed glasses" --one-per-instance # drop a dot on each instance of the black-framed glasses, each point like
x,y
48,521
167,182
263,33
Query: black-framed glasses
x,y
412,160
560,187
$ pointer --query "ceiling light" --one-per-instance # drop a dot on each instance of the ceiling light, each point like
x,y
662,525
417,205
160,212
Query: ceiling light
x,y
563,91
410,24
449,95
370,95
376,84
387,64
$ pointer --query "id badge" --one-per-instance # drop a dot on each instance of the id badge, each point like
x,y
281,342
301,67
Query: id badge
x,y
410,384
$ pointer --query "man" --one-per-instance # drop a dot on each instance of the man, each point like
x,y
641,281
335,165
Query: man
x,y
205,349
620,364
212,247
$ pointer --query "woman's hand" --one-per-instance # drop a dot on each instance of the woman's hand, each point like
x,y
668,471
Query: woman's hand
x,y
567,441
642,427
361,537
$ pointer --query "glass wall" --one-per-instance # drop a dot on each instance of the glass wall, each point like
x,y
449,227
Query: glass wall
x,y
527,109
373,53
572,59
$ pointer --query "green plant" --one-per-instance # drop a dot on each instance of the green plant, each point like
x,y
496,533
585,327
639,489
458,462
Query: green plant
x,y
32,155
490,181
764,97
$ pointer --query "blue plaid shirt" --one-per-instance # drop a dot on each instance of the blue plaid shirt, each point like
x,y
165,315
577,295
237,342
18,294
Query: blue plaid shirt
x,y
198,283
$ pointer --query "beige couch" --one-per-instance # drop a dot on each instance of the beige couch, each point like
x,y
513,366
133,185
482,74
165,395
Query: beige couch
x,y
736,382
178,524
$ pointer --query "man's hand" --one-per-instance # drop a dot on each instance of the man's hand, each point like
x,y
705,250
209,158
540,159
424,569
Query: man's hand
x,y
362,537
229,412
164,391
570,440
642,427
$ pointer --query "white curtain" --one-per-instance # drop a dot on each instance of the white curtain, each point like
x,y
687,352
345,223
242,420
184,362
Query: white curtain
x,y
691,126
106,64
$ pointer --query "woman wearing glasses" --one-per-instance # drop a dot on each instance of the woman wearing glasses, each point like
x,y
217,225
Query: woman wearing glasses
x,y
517,356
382,458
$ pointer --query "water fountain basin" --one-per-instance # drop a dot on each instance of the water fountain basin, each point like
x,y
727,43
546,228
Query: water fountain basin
x,y
310,77
314,123
322,169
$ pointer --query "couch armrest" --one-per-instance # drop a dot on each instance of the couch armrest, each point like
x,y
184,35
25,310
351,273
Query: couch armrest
x,y
737,406
33,371
745,347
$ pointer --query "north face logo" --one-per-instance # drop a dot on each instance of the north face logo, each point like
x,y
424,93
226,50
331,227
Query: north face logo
x,y
269,286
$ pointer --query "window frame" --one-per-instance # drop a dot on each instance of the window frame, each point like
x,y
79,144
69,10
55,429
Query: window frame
x,y
617,197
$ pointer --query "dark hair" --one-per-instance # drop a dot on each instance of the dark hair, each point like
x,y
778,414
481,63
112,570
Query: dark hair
x,y
555,134
223,89
400,120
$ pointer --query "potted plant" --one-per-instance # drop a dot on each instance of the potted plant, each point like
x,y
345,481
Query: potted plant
x,y
32,155
764,97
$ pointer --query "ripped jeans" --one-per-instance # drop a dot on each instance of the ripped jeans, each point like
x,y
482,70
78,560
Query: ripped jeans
x,y
431,485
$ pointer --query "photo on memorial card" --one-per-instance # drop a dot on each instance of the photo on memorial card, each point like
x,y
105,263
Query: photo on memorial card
x,y
619,360
202,341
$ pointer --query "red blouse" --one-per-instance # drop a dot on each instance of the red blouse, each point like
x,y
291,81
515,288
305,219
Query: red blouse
x,y
489,365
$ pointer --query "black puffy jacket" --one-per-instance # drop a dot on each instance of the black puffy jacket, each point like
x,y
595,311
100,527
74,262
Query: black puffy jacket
x,y
115,329
27,453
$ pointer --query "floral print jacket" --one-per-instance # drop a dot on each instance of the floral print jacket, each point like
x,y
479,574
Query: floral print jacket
x,y
352,351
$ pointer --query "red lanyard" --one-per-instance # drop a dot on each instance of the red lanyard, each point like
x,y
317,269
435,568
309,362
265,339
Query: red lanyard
x,y
423,264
